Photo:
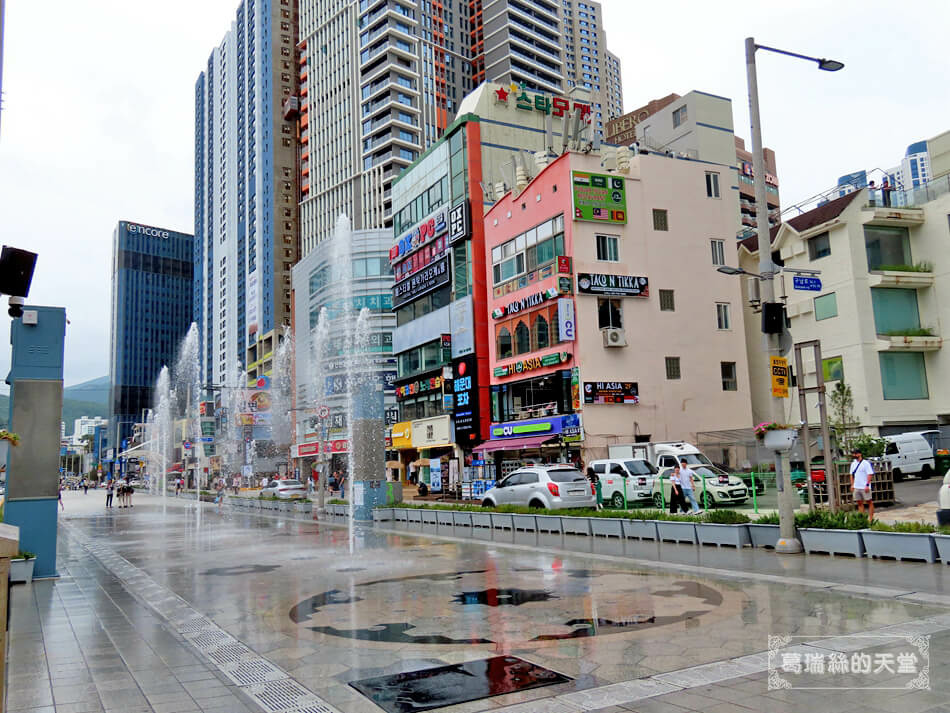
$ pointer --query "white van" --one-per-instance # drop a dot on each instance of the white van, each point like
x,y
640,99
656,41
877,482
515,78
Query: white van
x,y
910,454
617,475
665,454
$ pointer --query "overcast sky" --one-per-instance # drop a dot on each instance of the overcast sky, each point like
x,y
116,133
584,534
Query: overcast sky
x,y
98,113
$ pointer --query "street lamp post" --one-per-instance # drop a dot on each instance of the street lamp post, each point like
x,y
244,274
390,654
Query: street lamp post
x,y
787,542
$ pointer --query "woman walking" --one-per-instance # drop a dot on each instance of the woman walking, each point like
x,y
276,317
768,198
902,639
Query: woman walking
x,y
110,490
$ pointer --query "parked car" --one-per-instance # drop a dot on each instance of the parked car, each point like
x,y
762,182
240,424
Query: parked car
x,y
285,489
721,488
633,475
910,454
540,486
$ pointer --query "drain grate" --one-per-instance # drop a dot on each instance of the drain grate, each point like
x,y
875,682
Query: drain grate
x,y
314,708
230,653
206,641
245,673
193,625
277,696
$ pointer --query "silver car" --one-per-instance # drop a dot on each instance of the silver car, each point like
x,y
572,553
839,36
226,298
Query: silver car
x,y
285,489
543,486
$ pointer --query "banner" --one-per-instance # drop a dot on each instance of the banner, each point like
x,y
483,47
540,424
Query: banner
x,y
435,475
599,197
566,325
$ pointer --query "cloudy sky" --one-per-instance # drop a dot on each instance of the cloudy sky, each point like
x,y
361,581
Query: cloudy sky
x,y
98,113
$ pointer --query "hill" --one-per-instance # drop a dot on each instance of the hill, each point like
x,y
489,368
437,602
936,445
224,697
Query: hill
x,y
93,391
72,409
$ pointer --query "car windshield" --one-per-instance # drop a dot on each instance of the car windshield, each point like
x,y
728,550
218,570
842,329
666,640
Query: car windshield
x,y
639,467
695,459
565,476
290,483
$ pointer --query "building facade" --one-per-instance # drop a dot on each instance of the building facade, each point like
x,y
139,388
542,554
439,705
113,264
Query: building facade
x,y
246,187
609,323
879,311
152,294
381,80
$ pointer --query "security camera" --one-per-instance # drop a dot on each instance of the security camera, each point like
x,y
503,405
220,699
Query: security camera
x,y
16,307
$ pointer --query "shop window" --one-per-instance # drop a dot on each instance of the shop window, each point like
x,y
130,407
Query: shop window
x,y
522,339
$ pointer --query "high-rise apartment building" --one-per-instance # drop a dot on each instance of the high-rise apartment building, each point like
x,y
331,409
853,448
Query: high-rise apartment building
x,y
151,313
246,187
397,70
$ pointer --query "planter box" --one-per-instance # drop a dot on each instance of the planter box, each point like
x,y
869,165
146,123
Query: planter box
x,y
502,521
400,514
383,514
716,534
303,507
606,527
832,542
430,517
524,523
900,545
414,515
780,440
674,531
285,506
548,523
639,529
481,519
942,543
576,525
21,570
461,519
763,535
444,517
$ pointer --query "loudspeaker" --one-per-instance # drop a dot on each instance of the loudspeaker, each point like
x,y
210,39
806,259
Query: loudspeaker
x,y
773,317
16,271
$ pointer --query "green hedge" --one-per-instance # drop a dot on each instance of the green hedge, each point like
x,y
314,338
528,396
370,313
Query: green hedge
x,y
729,517
914,527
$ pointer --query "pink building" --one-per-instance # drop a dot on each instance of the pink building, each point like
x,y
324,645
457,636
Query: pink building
x,y
609,323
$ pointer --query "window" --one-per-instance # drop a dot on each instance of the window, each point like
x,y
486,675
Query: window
x,y
504,343
660,221
528,251
522,339
673,368
679,116
718,252
608,248
712,184
826,306
729,380
903,375
609,313
667,303
832,368
895,310
887,248
722,315
819,246
541,338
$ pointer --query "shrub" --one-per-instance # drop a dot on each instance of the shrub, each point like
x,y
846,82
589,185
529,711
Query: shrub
x,y
823,519
916,527
770,519
25,555
725,517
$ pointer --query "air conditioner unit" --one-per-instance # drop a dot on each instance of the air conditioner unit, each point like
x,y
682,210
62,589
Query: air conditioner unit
x,y
614,337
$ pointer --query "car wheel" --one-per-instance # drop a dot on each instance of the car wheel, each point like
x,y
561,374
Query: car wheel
x,y
925,472
537,505
898,476
616,501
486,503
658,501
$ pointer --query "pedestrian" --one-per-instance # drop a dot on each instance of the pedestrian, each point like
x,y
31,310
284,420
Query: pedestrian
x,y
177,487
85,486
687,478
110,490
872,190
331,483
61,506
862,473
677,501
219,492
263,482
413,478
342,482
886,192
594,480
236,484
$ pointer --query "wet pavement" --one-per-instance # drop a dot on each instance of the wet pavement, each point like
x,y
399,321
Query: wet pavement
x,y
158,610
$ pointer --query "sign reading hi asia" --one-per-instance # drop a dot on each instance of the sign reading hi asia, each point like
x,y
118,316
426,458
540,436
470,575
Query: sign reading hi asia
x,y
523,365
611,392
599,197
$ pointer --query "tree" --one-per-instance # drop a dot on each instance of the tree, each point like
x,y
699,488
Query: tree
x,y
843,421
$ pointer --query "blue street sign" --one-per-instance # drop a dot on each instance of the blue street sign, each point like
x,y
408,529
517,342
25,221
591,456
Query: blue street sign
x,y
811,284
207,439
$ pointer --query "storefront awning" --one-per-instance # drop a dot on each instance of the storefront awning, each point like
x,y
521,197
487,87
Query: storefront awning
x,y
513,444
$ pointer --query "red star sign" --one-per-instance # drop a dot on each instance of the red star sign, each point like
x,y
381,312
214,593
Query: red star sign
x,y
502,94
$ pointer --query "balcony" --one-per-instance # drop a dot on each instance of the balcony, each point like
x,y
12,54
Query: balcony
x,y
910,280
893,216
291,107
909,342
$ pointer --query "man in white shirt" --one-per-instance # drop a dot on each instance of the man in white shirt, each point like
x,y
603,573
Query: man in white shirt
x,y
687,478
861,474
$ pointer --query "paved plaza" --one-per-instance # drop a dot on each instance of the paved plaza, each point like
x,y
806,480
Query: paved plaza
x,y
162,608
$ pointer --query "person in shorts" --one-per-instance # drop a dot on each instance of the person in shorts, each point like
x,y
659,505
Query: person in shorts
x,y
861,474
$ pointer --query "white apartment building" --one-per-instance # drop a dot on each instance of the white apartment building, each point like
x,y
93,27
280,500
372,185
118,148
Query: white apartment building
x,y
86,426
882,310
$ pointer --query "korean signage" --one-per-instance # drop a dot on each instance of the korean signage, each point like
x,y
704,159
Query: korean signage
x,y
591,283
432,432
566,324
434,276
251,304
429,229
611,392
419,387
532,300
458,223
302,450
569,427
516,95
778,367
402,434
465,388
599,197
747,170
526,365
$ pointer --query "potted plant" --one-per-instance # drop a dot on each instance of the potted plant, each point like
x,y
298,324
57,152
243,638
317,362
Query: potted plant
x,y
832,533
942,543
676,528
303,506
902,541
10,437
21,567
776,436
764,532
724,527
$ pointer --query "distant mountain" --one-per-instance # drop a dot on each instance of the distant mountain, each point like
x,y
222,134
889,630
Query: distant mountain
x,y
94,391
72,409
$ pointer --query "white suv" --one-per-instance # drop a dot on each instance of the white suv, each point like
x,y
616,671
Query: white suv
x,y
619,478
554,487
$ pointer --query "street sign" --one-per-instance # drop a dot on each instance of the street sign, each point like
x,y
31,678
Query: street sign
x,y
323,412
186,445
779,369
207,439
809,284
